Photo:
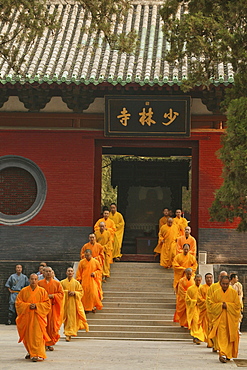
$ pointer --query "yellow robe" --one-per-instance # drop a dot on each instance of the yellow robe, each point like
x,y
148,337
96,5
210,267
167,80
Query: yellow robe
x,y
180,313
162,221
211,290
183,240
181,223
90,285
167,244
118,219
203,316
105,240
31,324
74,317
192,313
180,264
225,321
110,226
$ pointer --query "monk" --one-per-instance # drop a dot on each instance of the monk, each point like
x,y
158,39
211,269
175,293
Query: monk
x,y
32,307
86,275
181,262
225,310
109,224
210,292
201,302
55,315
180,221
183,285
97,253
74,317
96,248
163,220
103,237
186,239
167,243
192,311
118,219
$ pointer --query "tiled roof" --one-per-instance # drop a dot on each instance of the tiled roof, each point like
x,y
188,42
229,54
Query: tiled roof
x,y
71,56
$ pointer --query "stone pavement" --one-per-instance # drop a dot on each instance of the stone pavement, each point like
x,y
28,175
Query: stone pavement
x,y
89,354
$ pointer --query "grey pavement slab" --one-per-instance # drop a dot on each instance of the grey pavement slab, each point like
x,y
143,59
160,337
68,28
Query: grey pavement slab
x,y
89,354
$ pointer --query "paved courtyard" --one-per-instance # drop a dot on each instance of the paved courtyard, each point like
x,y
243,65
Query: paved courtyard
x,y
114,355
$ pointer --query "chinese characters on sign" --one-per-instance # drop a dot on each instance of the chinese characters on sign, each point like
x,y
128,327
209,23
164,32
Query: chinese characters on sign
x,y
147,116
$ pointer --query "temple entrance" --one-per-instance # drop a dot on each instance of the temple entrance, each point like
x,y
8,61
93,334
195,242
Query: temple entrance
x,y
143,181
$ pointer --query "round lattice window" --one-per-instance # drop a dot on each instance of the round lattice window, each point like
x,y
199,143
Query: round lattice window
x,y
22,190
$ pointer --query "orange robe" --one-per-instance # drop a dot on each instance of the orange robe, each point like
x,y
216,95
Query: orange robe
x,y
162,221
167,244
180,264
180,313
55,315
109,224
91,297
192,313
203,316
97,253
105,240
183,240
31,324
181,223
225,321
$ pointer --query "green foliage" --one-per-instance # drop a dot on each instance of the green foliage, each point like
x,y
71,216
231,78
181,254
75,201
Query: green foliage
x,y
231,199
33,17
207,33
108,194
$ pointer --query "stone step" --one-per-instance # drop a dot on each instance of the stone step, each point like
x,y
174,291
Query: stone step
x,y
135,322
137,299
134,334
144,289
136,310
136,328
100,315
165,338
132,294
140,305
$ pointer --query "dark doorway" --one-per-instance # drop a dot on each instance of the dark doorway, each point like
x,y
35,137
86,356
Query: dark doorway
x,y
147,180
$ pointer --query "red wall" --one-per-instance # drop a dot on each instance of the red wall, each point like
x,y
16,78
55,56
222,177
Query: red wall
x,y
210,179
67,161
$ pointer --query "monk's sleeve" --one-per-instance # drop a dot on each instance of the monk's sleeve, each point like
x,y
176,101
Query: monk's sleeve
x,y
189,299
82,252
79,273
21,305
193,248
79,292
43,307
96,226
194,265
101,254
120,223
176,265
58,296
97,267
201,300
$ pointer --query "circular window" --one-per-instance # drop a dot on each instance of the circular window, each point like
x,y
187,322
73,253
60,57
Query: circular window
x,y
22,190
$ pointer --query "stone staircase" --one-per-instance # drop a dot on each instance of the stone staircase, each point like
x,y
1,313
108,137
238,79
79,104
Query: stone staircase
x,y
139,304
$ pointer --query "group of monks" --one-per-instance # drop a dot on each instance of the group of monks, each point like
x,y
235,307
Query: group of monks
x,y
45,304
212,312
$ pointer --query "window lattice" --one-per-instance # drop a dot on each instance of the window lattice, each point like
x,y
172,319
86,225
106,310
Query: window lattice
x,y
18,190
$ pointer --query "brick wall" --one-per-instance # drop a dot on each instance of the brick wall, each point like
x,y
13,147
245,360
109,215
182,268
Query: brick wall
x,y
8,268
67,161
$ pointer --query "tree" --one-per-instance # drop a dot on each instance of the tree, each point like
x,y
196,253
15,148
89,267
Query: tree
x,y
33,17
206,33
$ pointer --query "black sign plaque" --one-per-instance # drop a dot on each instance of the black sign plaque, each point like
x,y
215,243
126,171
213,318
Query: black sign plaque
x,y
165,116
